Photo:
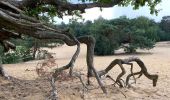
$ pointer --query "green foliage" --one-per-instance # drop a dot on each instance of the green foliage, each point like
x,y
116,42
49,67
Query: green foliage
x,y
40,12
19,55
164,29
110,35
135,3
164,36
24,50
79,29
165,23
106,39
143,34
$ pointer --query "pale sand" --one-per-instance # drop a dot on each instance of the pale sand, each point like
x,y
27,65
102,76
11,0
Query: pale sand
x,y
157,61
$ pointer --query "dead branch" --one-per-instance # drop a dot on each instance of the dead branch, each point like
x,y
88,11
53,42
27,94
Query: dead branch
x,y
43,71
73,59
54,93
44,68
131,70
108,76
80,78
128,77
144,71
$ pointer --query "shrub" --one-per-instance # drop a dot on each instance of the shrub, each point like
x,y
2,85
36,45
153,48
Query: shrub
x,y
19,55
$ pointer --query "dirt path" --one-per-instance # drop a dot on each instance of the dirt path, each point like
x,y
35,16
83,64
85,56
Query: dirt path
x,y
157,61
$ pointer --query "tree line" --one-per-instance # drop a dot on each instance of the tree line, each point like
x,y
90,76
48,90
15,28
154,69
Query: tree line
x,y
122,32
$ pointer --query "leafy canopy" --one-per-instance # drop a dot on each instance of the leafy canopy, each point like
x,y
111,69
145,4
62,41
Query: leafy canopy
x,y
55,10
110,35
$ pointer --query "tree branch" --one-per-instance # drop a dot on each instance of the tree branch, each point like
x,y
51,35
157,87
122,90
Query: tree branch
x,y
144,71
68,5
62,5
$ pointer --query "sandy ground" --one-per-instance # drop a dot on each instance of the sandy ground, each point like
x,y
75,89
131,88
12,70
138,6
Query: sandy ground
x,y
30,87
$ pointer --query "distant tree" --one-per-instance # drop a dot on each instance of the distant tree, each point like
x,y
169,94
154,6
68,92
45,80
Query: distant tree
x,y
106,38
165,23
143,34
164,33
110,35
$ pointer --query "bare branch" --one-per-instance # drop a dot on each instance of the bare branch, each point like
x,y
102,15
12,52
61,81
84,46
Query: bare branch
x,y
144,71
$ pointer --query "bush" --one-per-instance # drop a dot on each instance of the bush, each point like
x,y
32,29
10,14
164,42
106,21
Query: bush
x,y
106,39
19,55
101,48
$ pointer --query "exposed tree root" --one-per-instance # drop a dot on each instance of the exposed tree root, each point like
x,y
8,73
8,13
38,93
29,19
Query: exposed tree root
x,y
79,75
108,76
54,93
3,73
120,62
132,74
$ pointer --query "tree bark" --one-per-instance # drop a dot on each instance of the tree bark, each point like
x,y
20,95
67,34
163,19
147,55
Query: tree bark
x,y
1,70
120,62
61,5
3,73
35,48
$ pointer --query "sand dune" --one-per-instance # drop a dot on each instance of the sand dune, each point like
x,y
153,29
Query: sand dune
x,y
157,61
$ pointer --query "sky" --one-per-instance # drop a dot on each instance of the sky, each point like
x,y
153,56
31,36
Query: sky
x,y
115,12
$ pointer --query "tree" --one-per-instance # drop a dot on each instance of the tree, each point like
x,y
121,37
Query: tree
x,y
165,23
164,29
105,35
122,32
143,34
24,17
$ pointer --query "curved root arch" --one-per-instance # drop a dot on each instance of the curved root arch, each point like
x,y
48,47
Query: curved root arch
x,y
128,61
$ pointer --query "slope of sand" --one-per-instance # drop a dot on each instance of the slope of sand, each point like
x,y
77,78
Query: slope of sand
x,y
29,87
